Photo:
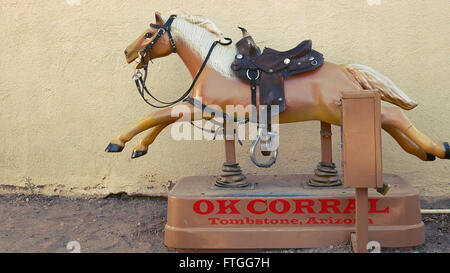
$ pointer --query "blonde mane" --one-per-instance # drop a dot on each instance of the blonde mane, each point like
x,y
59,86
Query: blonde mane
x,y
199,33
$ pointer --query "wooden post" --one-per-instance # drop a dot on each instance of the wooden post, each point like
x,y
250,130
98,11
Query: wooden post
x,y
362,221
361,155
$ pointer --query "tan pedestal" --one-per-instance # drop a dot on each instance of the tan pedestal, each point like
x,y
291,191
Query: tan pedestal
x,y
282,211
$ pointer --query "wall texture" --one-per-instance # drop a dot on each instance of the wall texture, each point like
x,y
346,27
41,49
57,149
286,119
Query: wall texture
x,y
66,91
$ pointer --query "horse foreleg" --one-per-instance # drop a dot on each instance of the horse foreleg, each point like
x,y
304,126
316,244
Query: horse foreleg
x,y
142,147
395,117
167,115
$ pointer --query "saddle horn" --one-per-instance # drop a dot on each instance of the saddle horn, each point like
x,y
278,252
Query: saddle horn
x,y
247,45
244,32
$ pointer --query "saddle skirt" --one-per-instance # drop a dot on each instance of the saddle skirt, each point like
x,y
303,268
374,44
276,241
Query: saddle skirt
x,y
269,68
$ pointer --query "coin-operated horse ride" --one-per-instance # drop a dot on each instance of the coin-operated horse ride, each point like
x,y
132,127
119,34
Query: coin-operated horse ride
x,y
234,211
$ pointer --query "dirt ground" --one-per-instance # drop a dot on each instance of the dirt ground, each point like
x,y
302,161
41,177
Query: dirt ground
x,y
119,223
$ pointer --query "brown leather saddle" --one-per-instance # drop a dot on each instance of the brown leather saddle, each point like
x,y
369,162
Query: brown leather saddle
x,y
269,68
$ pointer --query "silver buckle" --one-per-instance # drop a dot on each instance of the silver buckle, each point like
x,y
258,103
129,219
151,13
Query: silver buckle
x,y
248,76
137,75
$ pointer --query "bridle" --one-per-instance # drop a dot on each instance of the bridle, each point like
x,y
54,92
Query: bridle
x,y
140,79
145,59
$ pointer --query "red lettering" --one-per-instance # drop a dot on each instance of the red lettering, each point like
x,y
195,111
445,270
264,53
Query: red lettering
x,y
301,204
311,221
329,204
251,206
273,206
351,206
209,207
236,221
213,220
373,206
223,208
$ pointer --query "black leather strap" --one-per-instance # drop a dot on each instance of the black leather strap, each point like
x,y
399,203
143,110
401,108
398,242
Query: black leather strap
x,y
141,87
253,92
165,28
208,109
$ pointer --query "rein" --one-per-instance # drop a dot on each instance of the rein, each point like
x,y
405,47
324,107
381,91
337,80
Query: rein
x,y
140,79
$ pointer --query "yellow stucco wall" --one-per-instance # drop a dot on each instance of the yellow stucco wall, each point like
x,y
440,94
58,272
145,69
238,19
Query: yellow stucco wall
x,y
66,91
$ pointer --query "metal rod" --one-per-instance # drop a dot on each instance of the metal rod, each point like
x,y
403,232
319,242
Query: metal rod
x,y
326,145
435,211
230,148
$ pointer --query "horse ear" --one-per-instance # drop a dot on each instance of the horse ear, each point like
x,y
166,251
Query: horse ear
x,y
158,18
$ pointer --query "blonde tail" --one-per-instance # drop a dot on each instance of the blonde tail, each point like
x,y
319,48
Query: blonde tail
x,y
370,79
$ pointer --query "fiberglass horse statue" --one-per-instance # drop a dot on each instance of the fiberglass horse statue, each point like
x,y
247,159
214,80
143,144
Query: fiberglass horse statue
x,y
223,73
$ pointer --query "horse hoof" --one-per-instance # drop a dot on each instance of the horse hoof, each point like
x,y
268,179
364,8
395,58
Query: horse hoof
x,y
137,154
447,150
430,157
113,148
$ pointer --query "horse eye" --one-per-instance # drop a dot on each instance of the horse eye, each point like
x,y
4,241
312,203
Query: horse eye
x,y
148,35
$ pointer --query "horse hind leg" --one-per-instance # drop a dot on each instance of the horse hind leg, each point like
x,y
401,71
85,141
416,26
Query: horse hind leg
x,y
407,144
395,117
441,150
447,150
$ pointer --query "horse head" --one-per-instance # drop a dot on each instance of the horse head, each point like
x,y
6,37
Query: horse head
x,y
152,38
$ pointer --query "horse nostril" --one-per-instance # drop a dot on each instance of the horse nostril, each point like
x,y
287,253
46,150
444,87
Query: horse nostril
x,y
126,53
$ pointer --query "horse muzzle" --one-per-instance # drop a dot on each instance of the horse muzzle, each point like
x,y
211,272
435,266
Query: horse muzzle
x,y
130,56
132,51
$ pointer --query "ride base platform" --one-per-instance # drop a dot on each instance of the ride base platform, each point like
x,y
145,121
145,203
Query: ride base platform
x,y
283,211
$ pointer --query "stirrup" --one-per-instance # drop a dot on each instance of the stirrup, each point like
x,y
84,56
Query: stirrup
x,y
274,152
